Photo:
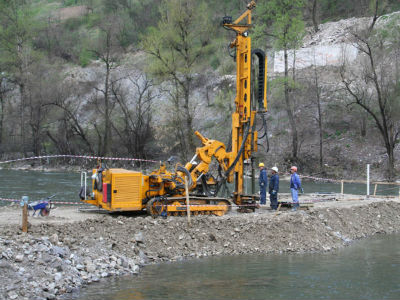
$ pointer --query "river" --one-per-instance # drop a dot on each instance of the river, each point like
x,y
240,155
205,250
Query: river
x,y
367,269
39,184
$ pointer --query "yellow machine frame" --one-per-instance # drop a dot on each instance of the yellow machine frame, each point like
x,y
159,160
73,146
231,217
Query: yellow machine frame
x,y
123,190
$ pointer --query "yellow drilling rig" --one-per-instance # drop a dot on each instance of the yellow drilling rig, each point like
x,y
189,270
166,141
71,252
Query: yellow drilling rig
x,y
163,192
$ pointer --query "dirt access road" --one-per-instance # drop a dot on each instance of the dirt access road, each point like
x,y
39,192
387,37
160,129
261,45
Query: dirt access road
x,y
12,215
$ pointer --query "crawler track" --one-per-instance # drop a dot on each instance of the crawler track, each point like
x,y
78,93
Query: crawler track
x,y
176,206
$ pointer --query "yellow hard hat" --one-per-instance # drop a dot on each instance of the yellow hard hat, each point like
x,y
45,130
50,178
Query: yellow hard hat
x,y
261,164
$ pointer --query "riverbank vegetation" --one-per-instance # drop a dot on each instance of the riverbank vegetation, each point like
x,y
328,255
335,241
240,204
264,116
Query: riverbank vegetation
x,y
137,78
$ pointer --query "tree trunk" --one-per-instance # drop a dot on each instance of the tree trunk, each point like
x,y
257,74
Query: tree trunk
x,y
321,141
289,109
1,122
390,152
314,15
107,125
189,120
363,125
36,141
22,117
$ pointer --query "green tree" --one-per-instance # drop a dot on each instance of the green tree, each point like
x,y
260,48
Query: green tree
x,y
17,28
135,15
282,22
177,46
5,88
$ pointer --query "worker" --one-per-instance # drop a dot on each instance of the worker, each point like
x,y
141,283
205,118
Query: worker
x,y
263,181
274,188
295,186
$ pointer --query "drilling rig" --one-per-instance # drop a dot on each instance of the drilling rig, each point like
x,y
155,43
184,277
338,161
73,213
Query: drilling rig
x,y
168,193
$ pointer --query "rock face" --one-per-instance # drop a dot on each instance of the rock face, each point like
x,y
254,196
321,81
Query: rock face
x,y
329,45
54,259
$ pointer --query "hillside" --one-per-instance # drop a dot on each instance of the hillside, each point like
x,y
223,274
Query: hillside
x,y
84,82
351,139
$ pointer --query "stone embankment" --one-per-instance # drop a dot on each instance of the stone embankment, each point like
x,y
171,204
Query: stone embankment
x,y
59,257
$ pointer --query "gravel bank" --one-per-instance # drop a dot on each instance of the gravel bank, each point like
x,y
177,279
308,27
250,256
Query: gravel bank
x,y
58,257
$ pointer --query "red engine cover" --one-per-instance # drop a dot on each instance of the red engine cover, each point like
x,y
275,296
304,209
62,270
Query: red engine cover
x,y
105,193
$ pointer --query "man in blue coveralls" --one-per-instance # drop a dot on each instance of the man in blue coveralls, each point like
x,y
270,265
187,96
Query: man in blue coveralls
x,y
295,186
263,181
274,188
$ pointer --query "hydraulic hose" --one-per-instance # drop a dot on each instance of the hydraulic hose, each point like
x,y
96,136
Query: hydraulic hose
x,y
188,175
265,131
246,135
261,76
149,191
260,91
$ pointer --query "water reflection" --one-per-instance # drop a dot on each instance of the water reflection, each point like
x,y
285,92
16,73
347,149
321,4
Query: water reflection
x,y
368,269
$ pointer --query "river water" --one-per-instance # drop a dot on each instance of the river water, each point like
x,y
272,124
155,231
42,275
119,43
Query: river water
x,y
38,185
367,269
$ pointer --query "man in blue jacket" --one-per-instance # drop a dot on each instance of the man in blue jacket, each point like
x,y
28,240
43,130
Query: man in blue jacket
x,y
263,181
295,186
274,188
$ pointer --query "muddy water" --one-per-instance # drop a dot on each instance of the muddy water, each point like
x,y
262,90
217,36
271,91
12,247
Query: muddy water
x,y
368,269
37,185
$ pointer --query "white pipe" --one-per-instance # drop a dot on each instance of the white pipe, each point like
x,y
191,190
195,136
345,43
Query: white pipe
x,y
367,180
187,201
342,188
84,181
193,159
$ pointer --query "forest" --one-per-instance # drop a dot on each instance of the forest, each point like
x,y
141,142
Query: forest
x,y
129,78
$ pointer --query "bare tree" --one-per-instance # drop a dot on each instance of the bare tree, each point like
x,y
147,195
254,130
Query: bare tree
x,y
135,132
377,7
108,53
68,128
376,88
319,113
312,7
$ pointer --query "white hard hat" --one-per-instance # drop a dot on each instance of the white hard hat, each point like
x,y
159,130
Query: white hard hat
x,y
274,169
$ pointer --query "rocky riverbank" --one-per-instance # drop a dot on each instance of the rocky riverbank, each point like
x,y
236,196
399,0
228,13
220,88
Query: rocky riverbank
x,y
70,248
